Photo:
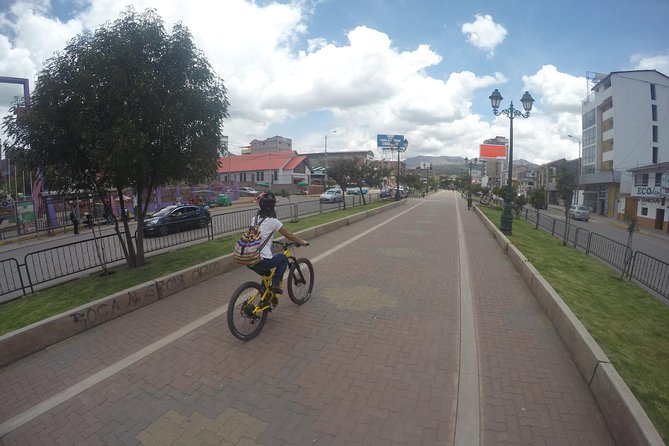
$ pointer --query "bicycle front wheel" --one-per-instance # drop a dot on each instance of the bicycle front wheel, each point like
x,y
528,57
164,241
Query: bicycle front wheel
x,y
300,281
244,320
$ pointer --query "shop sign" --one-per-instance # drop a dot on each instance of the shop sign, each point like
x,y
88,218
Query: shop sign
x,y
653,191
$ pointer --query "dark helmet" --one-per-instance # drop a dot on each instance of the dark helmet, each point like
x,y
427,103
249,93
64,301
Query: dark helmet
x,y
266,200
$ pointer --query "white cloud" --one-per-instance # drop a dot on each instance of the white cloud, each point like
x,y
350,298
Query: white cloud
x,y
366,85
559,92
484,33
659,62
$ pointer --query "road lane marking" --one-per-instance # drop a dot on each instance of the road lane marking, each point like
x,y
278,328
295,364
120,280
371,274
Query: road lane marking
x,y
468,417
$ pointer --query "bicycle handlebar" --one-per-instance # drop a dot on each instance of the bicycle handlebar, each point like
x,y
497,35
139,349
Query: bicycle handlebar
x,y
287,244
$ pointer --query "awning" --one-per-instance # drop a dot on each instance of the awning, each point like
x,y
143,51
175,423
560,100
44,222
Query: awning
x,y
303,183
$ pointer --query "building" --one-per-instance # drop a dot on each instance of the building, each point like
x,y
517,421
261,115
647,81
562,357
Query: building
x,y
545,176
525,175
284,169
273,144
625,146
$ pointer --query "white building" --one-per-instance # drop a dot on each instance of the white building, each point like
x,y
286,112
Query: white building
x,y
625,146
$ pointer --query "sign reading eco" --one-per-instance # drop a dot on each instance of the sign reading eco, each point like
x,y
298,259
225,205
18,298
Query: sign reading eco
x,y
653,191
390,142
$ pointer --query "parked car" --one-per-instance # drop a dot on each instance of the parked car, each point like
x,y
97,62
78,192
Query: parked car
x,y
579,212
247,192
176,218
332,196
386,192
356,190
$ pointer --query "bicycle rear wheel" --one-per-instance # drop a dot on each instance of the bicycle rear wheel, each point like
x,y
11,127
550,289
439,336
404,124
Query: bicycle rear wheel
x,y
300,281
242,321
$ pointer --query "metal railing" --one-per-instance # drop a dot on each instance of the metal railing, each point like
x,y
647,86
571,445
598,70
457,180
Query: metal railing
x,y
638,266
47,265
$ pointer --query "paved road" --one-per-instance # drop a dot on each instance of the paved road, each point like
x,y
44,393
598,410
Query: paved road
x,y
420,331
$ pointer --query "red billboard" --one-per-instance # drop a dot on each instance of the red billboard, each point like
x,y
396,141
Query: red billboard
x,y
492,151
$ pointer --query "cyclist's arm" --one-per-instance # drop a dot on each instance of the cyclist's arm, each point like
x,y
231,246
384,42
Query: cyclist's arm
x,y
292,237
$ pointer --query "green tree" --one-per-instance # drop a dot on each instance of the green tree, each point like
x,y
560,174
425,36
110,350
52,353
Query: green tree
x,y
537,200
371,175
565,183
342,172
129,106
518,203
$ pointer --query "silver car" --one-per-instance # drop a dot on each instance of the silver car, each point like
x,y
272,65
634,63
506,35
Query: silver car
x,y
579,212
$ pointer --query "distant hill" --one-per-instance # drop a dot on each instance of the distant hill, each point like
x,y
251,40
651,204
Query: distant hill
x,y
450,165
446,160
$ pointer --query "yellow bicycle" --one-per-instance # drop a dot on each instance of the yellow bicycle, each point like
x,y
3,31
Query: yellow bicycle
x,y
252,302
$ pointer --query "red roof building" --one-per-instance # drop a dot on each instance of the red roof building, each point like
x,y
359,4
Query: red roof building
x,y
275,168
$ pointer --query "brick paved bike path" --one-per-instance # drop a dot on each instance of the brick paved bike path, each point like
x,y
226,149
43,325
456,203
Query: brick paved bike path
x,y
372,358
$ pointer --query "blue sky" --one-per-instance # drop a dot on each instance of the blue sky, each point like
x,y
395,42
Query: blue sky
x,y
424,69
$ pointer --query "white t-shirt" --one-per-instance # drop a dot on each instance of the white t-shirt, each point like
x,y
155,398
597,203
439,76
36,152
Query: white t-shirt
x,y
267,226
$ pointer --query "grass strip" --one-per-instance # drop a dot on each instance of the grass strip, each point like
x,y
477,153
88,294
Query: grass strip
x,y
57,299
630,325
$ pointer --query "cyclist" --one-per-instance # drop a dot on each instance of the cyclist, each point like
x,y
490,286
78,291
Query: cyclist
x,y
269,224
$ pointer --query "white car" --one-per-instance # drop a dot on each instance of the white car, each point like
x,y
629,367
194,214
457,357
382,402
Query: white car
x,y
332,196
579,212
247,192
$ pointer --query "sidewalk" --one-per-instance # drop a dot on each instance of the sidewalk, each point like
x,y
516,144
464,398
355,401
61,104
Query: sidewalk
x,y
373,358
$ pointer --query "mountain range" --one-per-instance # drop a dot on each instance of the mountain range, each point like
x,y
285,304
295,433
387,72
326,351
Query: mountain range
x,y
417,161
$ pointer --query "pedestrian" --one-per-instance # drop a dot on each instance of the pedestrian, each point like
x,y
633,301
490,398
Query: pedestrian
x,y
74,218
88,220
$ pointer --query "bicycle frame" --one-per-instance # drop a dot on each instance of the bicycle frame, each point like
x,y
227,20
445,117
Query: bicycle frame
x,y
266,281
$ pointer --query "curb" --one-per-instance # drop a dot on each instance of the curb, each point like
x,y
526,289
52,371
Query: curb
x,y
628,422
35,337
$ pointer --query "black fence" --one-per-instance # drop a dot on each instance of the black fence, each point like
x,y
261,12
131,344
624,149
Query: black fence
x,y
638,266
47,265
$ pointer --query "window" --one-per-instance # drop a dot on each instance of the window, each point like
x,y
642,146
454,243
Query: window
x,y
641,179
655,156
653,112
654,133
589,119
658,178
644,211
652,92
275,175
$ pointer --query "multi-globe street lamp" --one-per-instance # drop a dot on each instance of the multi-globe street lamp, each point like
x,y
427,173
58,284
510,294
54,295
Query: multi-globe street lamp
x,y
470,163
578,174
506,222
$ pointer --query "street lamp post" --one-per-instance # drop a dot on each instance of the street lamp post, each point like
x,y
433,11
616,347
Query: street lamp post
x,y
325,173
401,147
578,174
469,163
506,222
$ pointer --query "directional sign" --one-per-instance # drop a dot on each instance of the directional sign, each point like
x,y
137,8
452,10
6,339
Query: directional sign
x,y
390,142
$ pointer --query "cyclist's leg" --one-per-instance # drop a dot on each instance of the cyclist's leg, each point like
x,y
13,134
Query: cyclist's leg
x,y
280,262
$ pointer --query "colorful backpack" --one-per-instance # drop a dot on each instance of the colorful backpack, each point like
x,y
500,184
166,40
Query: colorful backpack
x,y
248,247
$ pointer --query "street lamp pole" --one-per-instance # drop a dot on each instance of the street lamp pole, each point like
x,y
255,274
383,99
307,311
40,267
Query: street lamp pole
x,y
401,147
578,174
506,222
470,163
325,173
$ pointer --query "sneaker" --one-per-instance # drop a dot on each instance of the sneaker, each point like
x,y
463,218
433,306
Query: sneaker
x,y
276,289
